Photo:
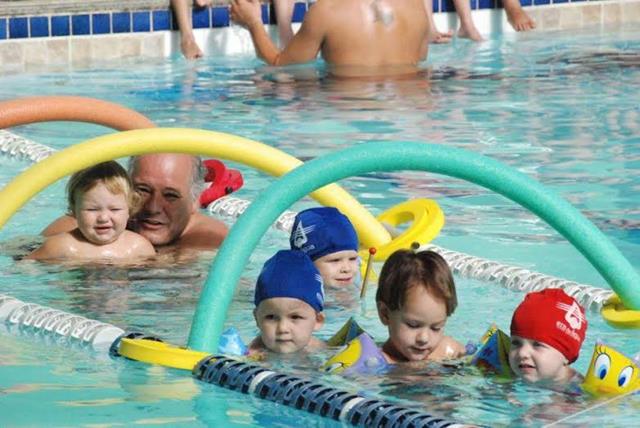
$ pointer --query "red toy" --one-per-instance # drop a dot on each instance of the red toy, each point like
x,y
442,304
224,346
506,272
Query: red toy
x,y
223,181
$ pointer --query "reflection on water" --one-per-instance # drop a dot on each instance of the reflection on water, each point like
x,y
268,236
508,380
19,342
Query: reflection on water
x,y
556,107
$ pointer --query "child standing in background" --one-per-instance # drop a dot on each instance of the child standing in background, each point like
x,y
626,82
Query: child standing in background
x,y
101,198
547,331
289,300
329,239
416,294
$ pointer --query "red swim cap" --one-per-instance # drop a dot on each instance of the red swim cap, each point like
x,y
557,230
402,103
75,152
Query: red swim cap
x,y
552,317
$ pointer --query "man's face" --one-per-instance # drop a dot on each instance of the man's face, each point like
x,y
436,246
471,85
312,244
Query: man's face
x,y
164,182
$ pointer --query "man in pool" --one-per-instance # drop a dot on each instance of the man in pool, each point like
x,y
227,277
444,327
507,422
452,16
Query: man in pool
x,y
169,184
355,37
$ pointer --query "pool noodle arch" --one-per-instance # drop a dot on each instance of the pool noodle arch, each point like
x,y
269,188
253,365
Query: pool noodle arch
x,y
22,111
245,234
180,140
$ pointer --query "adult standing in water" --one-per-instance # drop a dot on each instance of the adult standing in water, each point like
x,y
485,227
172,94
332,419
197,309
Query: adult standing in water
x,y
355,37
170,184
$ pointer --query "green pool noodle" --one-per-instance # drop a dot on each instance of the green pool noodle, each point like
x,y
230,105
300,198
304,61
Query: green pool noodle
x,y
243,237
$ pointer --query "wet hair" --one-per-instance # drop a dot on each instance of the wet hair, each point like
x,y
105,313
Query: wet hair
x,y
198,172
112,175
406,269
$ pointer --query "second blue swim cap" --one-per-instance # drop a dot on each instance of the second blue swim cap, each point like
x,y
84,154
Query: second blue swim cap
x,y
290,273
321,231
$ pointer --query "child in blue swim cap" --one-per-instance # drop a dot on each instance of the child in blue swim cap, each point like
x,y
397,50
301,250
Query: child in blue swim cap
x,y
289,299
330,240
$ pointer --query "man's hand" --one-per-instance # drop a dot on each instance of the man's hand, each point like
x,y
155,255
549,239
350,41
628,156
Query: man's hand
x,y
247,13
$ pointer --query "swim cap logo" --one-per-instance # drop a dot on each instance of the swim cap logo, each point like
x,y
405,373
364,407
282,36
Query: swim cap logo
x,y
573,314
300,235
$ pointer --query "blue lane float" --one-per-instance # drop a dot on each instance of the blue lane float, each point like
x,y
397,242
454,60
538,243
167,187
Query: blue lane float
x,y
251,226
313,397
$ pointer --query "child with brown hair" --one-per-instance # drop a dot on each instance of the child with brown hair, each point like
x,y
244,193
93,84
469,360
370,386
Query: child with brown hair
x,y
416,294
101,198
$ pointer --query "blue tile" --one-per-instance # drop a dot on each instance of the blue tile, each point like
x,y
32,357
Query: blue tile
x,y
201,17
560,1
299,10
265,14
538,2
60,25
526,2
486,4
101,23
447,6
3,28
39,26
121,22
219,16
160,20
141,21
18,28
80,24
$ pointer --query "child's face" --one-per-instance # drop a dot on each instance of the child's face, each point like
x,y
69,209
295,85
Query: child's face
x,y
536,361
101,215
338,269
417,328
286,324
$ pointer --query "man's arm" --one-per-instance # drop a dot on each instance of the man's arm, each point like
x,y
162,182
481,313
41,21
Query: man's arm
x,y
304,45
66,223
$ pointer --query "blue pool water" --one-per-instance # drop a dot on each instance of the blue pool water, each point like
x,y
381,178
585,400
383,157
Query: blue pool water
x,y
559,107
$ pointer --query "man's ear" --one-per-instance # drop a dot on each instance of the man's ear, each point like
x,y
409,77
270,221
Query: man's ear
x,y
383,312
319,321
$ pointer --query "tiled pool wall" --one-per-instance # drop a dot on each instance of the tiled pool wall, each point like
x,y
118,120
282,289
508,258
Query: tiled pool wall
x,y
34,33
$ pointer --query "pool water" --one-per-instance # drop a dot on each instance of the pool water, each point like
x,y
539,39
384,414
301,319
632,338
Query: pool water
x,y
559,107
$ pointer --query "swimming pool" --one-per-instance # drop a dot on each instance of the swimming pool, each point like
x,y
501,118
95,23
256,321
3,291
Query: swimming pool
x,y
555,106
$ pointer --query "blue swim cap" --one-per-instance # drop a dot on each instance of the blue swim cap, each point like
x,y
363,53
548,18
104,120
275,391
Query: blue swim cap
x,y
290,273
321,231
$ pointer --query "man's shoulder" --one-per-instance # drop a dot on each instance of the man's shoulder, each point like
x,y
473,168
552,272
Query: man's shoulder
x,y
203,231
204,224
